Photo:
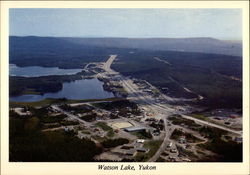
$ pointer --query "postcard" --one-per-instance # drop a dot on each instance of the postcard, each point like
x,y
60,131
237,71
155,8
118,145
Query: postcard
x,y
102,88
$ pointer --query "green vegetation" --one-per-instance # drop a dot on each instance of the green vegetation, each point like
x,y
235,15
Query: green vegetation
x,y
110,143
53,119
54,52
205,74
29,144
177,133
206,118
178,120
77,109
200,116
46,119
115,104
105,127
156,91
153,146
40,85
212,133
228,151
185,152
160,160
31,91
122,106
50,125
110,133
99,138
68,122
50,101
42,103
89,118
85,132
142,134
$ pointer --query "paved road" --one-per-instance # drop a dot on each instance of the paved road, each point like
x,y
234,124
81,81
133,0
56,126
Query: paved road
x,y
212,124
144,99
161,108
71,116
163,145
108,63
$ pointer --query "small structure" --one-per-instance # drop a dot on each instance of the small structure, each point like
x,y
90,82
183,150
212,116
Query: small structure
x,y
22,111
130,152
142,149
182,140
66,129
169,145
238,139
140,140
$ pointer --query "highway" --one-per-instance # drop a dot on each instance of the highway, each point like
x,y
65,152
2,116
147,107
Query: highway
x,y
163,145
144,99
212,124
108,63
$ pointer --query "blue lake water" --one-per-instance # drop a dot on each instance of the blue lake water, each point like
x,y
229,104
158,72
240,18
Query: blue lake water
x,y
37,71
79,89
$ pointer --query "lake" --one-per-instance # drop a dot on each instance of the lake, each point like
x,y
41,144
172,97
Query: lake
x,y
37,71
77,90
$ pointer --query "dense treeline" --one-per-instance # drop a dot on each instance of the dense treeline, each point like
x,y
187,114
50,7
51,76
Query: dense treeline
x,y
29,144
19,85
206,74
56,52
228,151
203,44
110,143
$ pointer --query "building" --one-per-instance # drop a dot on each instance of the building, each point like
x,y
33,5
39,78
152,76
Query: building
x,y
141,149
135,128
238,139
130,152
140,140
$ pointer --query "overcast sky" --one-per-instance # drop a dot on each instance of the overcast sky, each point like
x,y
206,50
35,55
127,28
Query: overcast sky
x,y
168,23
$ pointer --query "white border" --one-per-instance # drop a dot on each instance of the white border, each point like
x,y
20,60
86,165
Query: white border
x,y
91,168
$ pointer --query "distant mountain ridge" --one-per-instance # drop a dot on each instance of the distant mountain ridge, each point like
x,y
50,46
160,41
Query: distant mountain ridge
x,y
201,44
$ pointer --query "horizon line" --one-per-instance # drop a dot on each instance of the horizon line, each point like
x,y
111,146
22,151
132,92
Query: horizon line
x,y
93,37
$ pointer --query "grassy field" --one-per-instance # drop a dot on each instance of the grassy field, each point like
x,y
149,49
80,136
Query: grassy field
x,y
107,128
206,118
153,146
142,134
50,101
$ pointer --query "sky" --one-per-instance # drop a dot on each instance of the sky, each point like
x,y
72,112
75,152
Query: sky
x,y
128,23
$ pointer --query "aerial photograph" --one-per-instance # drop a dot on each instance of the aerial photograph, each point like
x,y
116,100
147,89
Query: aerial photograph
x,y
125,85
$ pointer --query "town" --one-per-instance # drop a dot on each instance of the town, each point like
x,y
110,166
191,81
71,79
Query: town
x,y
140,124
